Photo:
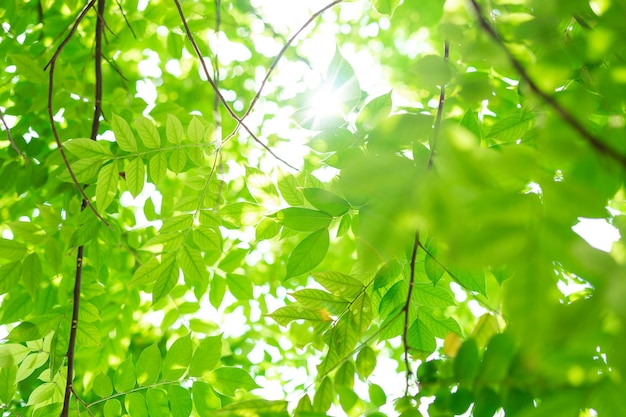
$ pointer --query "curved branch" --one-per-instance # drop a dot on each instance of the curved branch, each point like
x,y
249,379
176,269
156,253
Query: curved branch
x,y
10,138
594,141
216,89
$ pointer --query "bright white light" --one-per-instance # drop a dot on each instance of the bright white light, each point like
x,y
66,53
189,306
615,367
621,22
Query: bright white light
x,y
597,232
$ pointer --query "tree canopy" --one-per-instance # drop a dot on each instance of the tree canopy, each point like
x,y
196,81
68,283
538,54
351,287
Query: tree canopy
x,y
308,208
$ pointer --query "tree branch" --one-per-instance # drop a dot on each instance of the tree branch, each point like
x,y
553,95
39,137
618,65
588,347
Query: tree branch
x,y
10,138
81,249
406,309
442,98
594,141
51,66
217,91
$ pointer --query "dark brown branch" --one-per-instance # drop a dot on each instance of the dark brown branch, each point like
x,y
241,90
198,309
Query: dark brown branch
x,y
72,341
407,308
594,141
10,138
51,66
205,69
442,99
69,390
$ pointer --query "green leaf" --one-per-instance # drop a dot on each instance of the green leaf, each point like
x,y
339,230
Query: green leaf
x,y
106,187
326,201
285,315
123,134
341,285
240,286
227,380
178,358
377,395
167,279
135,173
11,250
470,122
195,131
147,132
148,365
158,405
30,364
174,130
88,334
497,358
511,128
193,266
267,229
324,396
178,160
434,270
466,362
314,299
158,168
361,310
112,408
421,338
345,375
207,239
28,68
302,219
87,148
366,361
124,379
374,112
473,281
8,383
135,404
342,80
205,399
102,385
180,401
242,213
12,354
308,253
290,190
386,6
32,273
206,356
426,294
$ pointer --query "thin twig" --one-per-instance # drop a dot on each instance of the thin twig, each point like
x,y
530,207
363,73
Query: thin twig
x,y
69,390
407,308
284,49
125,18
10,138
594,141
442,98
276,60
217,91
